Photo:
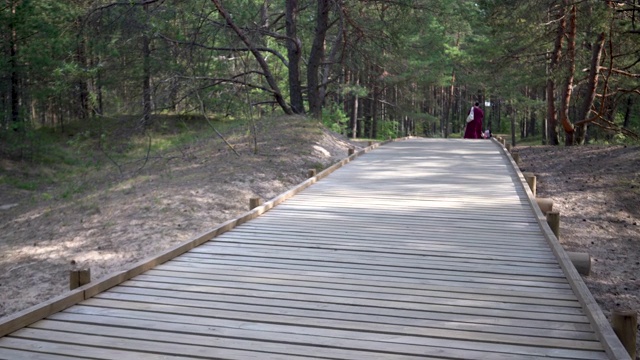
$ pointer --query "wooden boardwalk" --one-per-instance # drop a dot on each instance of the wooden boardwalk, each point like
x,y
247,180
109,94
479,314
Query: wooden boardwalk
x,y
420,249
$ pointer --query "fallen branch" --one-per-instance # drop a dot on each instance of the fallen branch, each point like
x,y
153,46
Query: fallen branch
x,y
204,113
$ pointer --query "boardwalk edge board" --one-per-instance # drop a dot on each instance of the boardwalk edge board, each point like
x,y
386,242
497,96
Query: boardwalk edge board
x,y
40,311
602,328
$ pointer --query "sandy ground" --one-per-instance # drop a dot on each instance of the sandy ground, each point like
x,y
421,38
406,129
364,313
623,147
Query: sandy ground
x,y
596,189
116,219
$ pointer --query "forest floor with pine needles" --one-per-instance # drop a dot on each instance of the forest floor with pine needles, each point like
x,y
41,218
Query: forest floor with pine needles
x,y
111,217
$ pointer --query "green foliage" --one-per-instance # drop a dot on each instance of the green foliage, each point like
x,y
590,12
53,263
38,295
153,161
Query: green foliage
x,y
388,130
334,118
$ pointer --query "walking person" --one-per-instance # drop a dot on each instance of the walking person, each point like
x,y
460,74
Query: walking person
x,y
474,123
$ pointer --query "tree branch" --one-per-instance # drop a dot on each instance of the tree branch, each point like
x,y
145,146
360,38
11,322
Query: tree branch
x,y
620,72
204,113
234,49
263,64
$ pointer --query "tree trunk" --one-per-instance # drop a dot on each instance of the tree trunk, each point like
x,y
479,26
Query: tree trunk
x,y
552,122
571,68
13,66
627,113
596,56
294,55
316,58
146,75
146,81
374,112
81,60
354,115
326,67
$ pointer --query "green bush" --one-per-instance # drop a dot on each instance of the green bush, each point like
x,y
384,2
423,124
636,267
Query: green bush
x,y
334,118
388,129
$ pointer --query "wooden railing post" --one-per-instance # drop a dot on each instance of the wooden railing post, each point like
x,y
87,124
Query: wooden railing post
x,y
545,205
581,261
531,180
516,157
254,203
311,173
553,219
352,151
78,278
625,325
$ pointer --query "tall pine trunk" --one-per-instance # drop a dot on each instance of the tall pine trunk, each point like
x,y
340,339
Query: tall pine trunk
x,y
294,55
13,65
146,74
552,120
596,56
571,68
316,58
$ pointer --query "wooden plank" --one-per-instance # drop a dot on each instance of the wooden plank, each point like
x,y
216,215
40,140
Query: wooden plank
x,y
357,300
12,354
461,258
223,347
398,262
416,227
396,229
296,335
376,234
415,208
404,217
147,347
52,349
30,315
461,339
399,247
390,228
514,280
402,309
483,279
403,244
349,290
388,285
326,308
347,274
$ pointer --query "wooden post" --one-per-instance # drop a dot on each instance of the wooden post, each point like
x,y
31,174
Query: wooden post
x,y
545,205
625,325
370,142
254,203
78,278
311,173
352,151
553,219
531,180
508,146
516,157
581,261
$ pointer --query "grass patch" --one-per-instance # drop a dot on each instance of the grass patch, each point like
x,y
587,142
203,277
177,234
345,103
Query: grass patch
x,y
46,156
22,184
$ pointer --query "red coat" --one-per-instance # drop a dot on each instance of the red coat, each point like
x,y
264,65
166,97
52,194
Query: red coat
x,y
474,128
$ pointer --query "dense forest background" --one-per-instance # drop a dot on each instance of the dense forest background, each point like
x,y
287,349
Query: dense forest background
x,y
558,71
